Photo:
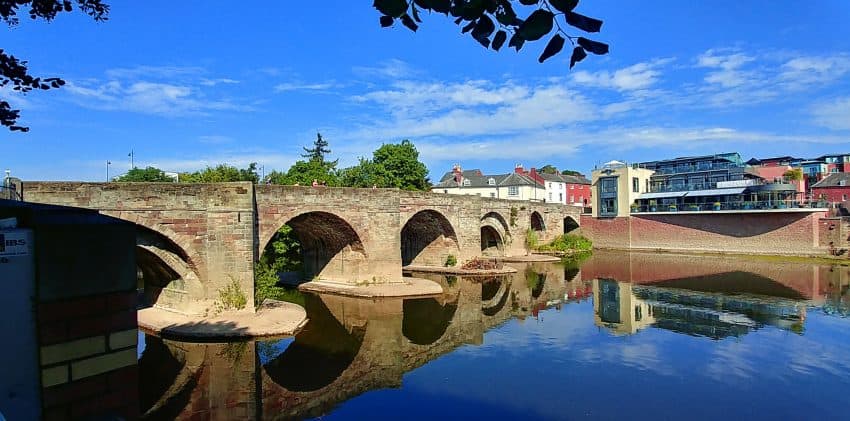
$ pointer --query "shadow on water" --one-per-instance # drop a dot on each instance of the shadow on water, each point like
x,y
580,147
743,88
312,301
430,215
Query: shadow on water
x,y
319,353
425,320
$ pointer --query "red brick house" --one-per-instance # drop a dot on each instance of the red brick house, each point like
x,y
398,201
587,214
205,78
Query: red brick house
x,y
834,188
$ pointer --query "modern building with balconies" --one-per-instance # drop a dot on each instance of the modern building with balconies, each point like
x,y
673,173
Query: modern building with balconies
x,y
711,182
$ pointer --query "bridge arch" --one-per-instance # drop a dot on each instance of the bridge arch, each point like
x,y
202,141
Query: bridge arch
x,y
330,247
166,278
494,234
428,238
570,224
425,320
537,222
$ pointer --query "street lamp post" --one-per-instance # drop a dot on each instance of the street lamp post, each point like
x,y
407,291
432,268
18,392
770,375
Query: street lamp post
x,y
108,163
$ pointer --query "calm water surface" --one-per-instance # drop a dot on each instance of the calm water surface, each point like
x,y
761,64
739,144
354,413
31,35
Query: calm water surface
x,y
626,336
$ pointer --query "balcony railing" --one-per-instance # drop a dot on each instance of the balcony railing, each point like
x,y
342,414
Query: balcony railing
x,y
727,206
696,167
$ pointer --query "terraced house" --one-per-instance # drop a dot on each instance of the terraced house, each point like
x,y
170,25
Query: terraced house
x,y
513,186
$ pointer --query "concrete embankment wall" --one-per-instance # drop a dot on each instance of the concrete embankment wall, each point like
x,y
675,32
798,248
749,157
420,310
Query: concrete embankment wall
x,y
785,233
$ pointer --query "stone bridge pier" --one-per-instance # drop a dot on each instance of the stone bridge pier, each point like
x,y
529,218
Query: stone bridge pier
x,y
195,241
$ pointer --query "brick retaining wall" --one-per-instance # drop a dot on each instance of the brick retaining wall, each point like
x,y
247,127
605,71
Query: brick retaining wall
x,y
793,233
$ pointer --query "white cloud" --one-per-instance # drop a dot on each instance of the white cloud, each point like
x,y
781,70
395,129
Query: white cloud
x,y
215,139
833,114
161,90
635,77
727,64
285,87
801,72
154,72
218,81
391,69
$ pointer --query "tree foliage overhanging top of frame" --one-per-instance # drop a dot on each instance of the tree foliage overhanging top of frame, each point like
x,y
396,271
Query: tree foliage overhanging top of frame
x,y
491,21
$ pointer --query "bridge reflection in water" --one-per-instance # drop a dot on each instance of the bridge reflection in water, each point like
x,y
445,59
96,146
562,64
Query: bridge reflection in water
x,y
351,346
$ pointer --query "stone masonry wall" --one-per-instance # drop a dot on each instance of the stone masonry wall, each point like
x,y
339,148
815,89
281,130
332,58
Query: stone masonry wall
x,y
212,223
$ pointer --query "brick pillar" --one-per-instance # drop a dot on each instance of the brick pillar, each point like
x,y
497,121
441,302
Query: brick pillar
x,y
88,356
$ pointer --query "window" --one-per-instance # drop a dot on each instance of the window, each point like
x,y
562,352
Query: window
x,y
572,199
844,197
466,182
560,197
492,194
550,185
834,170
550,196
491,181
609,185
572,186
635,185
513,191
608,207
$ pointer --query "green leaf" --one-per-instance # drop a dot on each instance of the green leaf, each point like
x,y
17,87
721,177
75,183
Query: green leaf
x,y
594,47
583,22
469,26
553,47
386,21
393,8
416,14
564,5
408,22
528,2
499,40
578,55
539,23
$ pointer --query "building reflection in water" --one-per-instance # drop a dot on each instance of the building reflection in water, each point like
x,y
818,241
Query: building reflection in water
x,y
349,346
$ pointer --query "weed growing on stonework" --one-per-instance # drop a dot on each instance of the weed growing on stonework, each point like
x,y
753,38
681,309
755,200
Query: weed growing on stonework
x,y
451,260
231,297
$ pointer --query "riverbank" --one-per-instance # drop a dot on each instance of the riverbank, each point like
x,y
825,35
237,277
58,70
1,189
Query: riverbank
x,y
407,288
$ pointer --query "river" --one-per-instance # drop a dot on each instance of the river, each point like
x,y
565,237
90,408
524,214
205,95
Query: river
x,y
616,335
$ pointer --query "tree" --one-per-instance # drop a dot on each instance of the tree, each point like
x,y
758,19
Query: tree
x,y
402,166
222,173
480,18
794,174
304,172
571,172
365,174
13,70
548,169
318,151
147,175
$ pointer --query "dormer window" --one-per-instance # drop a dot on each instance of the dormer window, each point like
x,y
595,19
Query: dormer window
x,y
466,182
491,181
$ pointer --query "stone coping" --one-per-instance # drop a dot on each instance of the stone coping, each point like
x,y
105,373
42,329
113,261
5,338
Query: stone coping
x,y
273,318
406,288
458,271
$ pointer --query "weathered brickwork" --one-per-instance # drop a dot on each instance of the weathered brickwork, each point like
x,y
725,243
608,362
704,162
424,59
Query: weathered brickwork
x,y
88,356
211,234
768,233
835,232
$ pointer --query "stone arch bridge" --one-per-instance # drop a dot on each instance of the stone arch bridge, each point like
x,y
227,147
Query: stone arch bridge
x,y
200,238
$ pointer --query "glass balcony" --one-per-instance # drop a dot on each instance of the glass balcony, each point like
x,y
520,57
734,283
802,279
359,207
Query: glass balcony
x,y
729,206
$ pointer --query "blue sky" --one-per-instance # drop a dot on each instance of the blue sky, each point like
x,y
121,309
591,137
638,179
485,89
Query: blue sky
x,y
185,87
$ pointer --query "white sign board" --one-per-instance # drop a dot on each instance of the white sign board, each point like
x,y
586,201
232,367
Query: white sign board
x,y
15,243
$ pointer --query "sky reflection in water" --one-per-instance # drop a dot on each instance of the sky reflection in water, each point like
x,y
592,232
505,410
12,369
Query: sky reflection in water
x,y
536,345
